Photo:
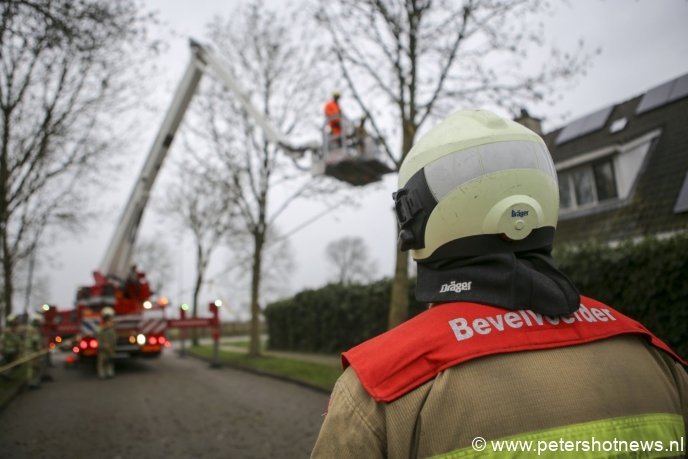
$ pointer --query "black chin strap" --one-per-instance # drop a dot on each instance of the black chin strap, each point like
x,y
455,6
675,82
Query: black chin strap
x,y
523,280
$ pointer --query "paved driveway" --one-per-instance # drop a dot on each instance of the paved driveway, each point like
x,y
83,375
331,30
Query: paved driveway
x,y
168,407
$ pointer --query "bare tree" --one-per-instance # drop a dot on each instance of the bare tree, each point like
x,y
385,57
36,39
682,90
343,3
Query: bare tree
x,y
199,206
279,67
63,74
412,60
349,258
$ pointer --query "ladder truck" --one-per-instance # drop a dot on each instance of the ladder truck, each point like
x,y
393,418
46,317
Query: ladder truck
x,y
139,323
117,283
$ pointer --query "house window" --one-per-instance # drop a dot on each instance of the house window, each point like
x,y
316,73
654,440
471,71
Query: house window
x,y
603,176
587,185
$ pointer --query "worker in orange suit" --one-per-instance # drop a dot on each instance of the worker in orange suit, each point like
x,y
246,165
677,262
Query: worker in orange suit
x,y
333,113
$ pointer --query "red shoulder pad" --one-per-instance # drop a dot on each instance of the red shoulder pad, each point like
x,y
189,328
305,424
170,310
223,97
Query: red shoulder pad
x,y
398,361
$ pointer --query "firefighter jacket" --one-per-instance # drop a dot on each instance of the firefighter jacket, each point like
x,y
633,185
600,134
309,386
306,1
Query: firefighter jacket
x,y
460,378
107,339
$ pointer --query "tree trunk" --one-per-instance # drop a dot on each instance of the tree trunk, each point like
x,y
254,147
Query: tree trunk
x,y
398,301
7,271
194,314
398,304
200,271
7,287
254,344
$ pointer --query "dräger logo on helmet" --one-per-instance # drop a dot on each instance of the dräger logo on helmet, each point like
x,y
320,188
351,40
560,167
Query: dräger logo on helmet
x,y
457,287
519,213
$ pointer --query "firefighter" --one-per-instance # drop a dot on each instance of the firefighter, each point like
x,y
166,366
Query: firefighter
x,y
333,114
133,282
33,342
11,340
508,348
107,339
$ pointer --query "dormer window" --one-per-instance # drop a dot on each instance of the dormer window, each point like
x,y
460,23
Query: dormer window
x,y
607,175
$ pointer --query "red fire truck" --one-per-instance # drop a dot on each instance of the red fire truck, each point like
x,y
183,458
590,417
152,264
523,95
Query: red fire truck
x,y
59,326
140,324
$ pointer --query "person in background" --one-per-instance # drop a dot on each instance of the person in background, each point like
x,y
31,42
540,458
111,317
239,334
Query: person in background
x,y
508,348
333,114
107,339
11,343
32,337
133,283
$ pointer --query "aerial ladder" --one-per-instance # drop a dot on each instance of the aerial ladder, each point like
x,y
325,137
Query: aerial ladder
x,y
354,157
118,283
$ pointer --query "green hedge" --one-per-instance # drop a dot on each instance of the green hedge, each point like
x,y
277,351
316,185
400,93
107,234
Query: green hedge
x,y
331,319
647,281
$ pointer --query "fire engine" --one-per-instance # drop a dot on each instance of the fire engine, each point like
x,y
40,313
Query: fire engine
x,y
59,326
140,323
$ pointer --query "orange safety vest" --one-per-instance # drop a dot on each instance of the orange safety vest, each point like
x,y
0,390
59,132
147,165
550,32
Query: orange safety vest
x,y
334,117
396,362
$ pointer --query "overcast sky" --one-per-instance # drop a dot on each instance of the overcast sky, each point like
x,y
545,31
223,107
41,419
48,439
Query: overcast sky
x,y
644,43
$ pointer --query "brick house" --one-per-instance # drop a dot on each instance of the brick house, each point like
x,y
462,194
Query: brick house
x,y
623,170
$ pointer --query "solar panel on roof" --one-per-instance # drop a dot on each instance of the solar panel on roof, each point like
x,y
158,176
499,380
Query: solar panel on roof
x,y
680,88
585,125
654,97
663,94
682,201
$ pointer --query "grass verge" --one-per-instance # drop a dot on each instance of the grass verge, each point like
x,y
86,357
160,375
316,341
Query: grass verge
x,y
309,373
244,344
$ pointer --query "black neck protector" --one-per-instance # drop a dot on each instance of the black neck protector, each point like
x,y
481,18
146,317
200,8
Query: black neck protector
x,y
510,280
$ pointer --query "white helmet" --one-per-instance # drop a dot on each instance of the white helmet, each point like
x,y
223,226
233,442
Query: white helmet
x,y
107,312
478,208
476,184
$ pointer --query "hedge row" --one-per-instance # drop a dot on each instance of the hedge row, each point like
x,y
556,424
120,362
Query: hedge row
x,y
331,319
647,281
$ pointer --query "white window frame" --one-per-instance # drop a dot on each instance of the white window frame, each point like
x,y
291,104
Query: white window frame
x,y
587,160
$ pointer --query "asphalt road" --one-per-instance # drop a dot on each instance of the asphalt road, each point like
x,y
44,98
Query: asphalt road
x,y
168,407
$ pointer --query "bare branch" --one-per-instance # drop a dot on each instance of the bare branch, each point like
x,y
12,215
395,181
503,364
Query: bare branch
x,y
64,69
